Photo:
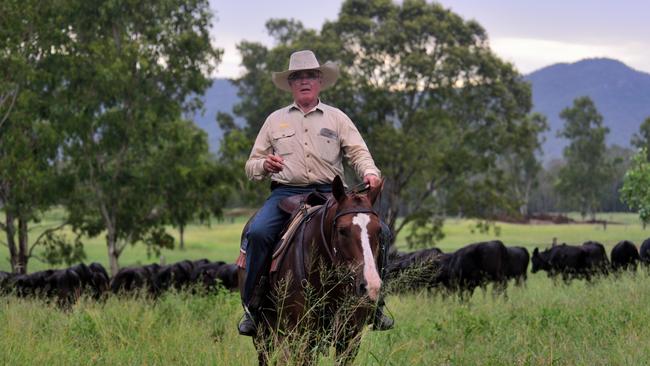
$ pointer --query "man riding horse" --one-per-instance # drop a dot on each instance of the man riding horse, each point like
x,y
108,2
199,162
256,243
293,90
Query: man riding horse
x,y
300,148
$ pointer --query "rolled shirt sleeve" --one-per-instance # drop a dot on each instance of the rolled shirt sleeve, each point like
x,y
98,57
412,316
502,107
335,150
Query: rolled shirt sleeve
x,y
355,149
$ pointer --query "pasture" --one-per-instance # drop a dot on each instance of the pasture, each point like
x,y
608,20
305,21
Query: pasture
x,y
602,323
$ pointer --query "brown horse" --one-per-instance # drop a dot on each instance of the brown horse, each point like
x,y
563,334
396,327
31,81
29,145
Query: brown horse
x,y
326,286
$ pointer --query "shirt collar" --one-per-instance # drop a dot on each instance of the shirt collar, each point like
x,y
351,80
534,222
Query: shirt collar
x,y
318,107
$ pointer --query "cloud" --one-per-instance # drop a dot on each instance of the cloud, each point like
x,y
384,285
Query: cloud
x,y
530,54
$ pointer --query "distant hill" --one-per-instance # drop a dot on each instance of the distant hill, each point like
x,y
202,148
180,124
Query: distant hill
x,y
220,97
620,93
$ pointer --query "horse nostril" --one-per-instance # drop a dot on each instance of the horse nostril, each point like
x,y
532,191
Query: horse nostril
x,y
362,288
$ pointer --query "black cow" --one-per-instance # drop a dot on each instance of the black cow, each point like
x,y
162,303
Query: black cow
x,y
625,256
409,271
644,252
85,275
176,275
65,285
569,261
597,261
206,275
5,282
472,266
100,280
517,267
134,278
33,284
228,275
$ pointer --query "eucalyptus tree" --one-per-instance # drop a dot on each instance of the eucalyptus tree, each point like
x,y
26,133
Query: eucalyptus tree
x,y
520,161
195,185
436,107
583,180
32,45
133,69
641,139
635,192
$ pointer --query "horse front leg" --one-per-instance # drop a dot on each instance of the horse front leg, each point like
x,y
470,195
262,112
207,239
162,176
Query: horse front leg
x,y
347,349
264,347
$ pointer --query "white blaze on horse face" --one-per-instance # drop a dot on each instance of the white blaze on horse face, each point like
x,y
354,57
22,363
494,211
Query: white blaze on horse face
x,y
369,269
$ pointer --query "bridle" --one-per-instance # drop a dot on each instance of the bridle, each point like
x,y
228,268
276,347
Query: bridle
x,y
330,201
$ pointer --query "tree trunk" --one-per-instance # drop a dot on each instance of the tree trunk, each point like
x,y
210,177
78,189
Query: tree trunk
x,y
113,253
181,231
391,214
23,245
11,242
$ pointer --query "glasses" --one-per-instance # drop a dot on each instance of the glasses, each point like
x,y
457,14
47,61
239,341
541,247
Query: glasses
x,y
305,75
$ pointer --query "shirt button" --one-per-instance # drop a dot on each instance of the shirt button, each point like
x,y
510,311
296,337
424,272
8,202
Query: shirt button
x,y
306,130
309,170
305,144
307,155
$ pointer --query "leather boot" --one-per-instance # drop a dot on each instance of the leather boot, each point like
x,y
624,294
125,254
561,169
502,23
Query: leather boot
x,y
248,324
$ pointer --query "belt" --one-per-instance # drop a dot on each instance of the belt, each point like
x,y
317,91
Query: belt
x,y
327,187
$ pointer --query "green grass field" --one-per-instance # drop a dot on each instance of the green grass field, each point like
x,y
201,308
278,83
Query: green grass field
x,y
604,323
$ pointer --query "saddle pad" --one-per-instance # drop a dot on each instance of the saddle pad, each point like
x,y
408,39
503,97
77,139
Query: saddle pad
x,y
289,233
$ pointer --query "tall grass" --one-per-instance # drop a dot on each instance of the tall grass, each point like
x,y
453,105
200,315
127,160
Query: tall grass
x,y
604,323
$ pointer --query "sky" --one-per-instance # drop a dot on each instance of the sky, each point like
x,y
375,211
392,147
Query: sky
x,y
529,33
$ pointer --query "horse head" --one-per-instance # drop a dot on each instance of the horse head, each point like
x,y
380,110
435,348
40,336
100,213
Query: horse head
x,y
354,238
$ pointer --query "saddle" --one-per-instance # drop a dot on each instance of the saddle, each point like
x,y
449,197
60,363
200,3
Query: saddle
x,y
301,207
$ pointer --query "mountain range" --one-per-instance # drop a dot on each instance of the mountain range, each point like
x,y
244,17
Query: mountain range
x,y
620,93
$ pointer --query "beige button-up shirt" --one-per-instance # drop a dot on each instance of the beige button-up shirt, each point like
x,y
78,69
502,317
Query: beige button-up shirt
x,y
312,146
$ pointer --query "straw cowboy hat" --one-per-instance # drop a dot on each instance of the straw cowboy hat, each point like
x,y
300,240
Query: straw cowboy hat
x,y
306,60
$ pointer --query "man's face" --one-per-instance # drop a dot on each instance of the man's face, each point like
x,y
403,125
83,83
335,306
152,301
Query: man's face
x,y
305,86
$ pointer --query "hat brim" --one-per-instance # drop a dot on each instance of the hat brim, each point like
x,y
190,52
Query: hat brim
x,y
329,70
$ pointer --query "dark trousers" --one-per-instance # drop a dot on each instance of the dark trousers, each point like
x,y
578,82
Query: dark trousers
x,y
263,233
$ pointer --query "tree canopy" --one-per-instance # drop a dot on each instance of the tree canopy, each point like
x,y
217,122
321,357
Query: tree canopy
x,y
91,102
436,107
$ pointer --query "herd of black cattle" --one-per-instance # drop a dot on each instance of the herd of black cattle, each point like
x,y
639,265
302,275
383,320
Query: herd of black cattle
x,y
66,285
475,265
479,264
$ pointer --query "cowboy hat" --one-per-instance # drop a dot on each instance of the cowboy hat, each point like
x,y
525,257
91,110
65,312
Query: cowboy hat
x,y
306,60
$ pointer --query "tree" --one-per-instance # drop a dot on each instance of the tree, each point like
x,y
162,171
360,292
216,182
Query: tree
x,y
582,182
132,69
642,138
434,104
545,197
636,186
621,161
32,42
520,160
194,185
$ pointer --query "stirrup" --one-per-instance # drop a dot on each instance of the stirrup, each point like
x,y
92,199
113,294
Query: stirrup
x,y
248,324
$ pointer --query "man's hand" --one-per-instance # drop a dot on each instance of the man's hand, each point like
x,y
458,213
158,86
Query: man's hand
x,y
372,180
273,163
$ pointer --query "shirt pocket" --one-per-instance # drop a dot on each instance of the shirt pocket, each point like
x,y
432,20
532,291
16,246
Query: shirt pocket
x,y
329,148
283,141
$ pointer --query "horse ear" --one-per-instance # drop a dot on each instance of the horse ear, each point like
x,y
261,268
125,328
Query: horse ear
x,y
374,193
338,190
